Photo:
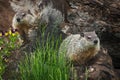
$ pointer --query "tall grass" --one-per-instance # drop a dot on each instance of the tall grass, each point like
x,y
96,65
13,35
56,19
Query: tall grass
x,y
45,63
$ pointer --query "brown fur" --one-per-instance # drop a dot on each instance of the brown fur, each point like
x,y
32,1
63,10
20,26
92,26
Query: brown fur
x,y
80,48
24,24
36,5
88,54
23,31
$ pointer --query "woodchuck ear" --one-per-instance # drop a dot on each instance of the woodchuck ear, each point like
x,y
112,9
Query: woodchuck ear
x,y
95,32
82,34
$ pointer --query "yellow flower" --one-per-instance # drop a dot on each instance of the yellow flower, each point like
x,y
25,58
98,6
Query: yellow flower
x,y
0,34
6,34
10,32
13,34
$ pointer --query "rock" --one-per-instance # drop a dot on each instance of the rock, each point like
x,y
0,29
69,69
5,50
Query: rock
x,y
98,68
6,15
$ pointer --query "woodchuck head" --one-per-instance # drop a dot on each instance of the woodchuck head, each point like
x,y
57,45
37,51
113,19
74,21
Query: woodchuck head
x,y
23,18
85,47
80,48
24,21
90,40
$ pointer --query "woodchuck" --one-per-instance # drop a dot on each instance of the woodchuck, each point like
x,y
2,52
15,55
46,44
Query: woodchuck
x,y
80,47
23,21
35,6
29,25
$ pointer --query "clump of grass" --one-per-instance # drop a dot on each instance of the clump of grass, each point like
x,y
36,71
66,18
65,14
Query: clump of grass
x,y
8,43
45,63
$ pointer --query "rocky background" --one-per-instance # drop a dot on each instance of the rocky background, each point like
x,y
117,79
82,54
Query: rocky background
x,y
6,15
103,16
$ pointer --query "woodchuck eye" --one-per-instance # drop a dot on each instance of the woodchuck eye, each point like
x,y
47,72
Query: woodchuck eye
x,y
23,14
18,19
89,37
95,41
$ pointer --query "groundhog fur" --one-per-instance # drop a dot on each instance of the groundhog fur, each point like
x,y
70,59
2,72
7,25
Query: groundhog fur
x,y
37,5
23,21
99,67
29,26
80,48
49,12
